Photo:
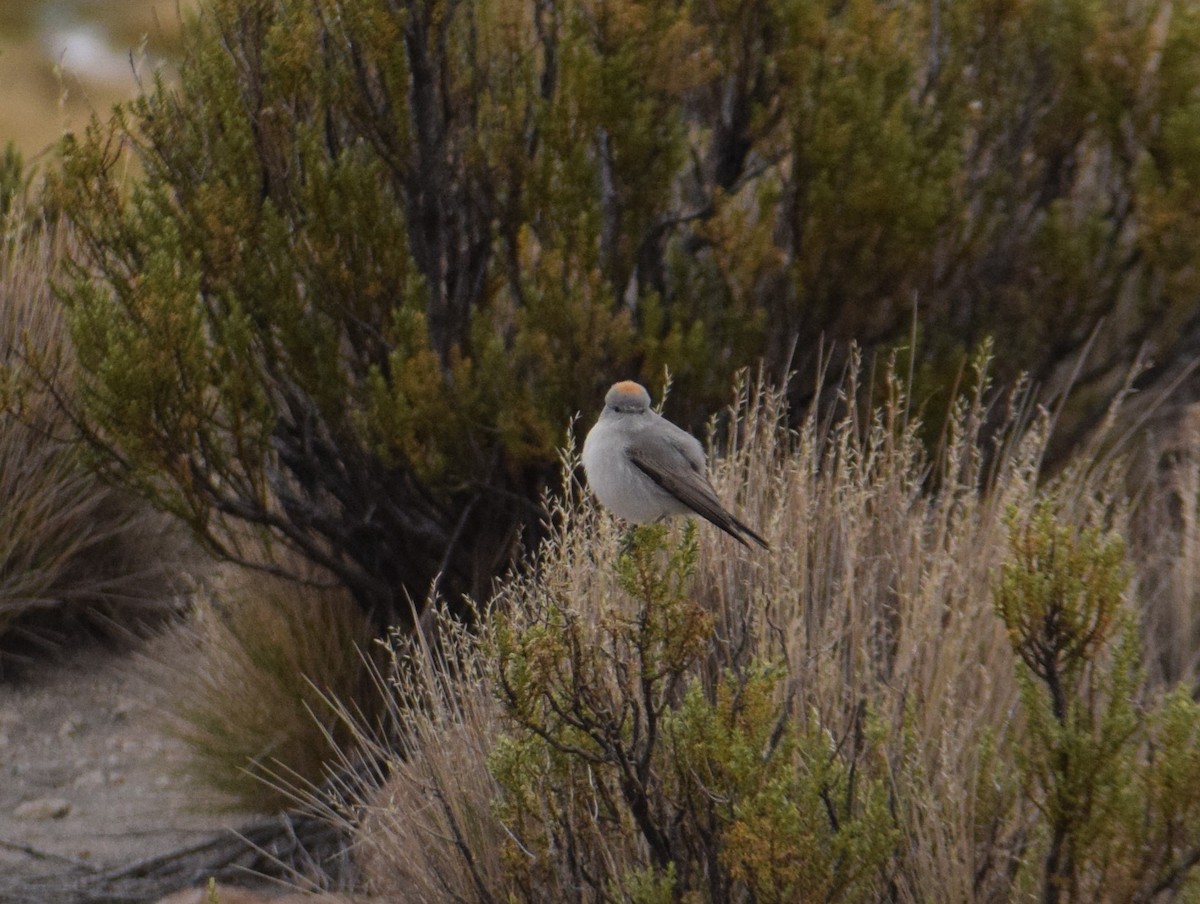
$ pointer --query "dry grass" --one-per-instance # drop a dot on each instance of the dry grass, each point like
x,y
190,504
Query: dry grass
x,y
427,832
250,678
1166,539
877,594
70,546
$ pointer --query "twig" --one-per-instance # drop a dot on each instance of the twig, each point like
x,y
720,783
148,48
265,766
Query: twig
x,y
262,850
37,854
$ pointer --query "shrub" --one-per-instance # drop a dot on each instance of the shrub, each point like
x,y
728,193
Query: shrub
x,y
625,768
1101,763
377,254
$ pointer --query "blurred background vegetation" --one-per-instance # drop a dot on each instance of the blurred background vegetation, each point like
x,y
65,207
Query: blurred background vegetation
x,y
60,60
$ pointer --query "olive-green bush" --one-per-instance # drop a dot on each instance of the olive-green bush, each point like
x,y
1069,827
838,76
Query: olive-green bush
x,y
348,279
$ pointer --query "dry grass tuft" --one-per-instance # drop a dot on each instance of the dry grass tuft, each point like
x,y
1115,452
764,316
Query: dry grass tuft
x,y
427,831
71,547
251,677
876,598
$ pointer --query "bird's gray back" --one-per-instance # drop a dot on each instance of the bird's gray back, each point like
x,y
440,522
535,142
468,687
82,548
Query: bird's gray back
x,y
659,436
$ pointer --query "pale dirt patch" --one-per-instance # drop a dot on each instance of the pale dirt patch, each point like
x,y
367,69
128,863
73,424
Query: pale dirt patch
x,y
87,732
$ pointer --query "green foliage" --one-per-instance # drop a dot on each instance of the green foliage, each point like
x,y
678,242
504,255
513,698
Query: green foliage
x,y
1098,765
14,181
289,327
716,789
590,695
1161,839
376,255
797,819
644,886
1059,596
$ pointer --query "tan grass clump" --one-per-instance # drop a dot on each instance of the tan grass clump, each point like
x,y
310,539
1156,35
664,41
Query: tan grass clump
x,y
849,716
428,832
71,546
251,675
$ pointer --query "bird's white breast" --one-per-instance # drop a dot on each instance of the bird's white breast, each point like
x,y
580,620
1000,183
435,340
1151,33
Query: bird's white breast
x,y
619,484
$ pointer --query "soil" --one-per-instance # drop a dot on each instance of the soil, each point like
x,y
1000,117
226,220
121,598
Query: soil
x,y
88,778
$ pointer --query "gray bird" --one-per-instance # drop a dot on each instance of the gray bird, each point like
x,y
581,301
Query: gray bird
x,y
643,468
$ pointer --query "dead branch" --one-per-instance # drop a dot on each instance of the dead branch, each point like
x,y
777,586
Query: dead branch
x,y
290,846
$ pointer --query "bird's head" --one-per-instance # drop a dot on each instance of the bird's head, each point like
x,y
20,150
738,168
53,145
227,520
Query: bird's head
x,y
627,397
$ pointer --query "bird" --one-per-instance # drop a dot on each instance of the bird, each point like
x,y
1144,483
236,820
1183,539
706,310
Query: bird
x,y
644,468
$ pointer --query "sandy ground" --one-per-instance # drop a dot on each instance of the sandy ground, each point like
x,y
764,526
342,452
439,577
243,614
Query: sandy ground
x,y
86,774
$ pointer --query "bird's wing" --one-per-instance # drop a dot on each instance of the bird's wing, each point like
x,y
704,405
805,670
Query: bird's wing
x,y
685,444
668,463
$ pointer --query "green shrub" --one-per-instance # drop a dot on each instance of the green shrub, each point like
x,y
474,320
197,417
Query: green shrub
x,y
621,755
15,178
376,255
1105,767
